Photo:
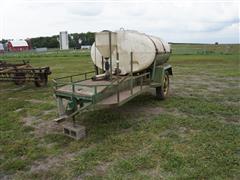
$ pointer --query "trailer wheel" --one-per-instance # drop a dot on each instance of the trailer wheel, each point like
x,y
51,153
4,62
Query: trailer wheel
x,y
19,78
40,80
162,91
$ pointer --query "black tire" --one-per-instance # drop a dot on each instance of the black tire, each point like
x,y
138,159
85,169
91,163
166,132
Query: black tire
x,y
19,78
162,92
40,80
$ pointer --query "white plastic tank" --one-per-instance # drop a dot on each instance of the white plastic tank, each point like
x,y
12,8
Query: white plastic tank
x,y
146,49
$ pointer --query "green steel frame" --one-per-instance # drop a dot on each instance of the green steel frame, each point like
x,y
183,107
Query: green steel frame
x,y
77,103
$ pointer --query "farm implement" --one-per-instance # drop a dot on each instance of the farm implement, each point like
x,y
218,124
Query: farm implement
x,y
79,93
24,72
107,87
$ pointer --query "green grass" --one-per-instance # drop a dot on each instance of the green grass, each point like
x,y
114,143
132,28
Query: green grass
x,y
205,49
194,134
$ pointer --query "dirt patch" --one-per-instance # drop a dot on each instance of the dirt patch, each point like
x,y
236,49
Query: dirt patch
x,y
152,110
42,127
196,85
155,173
49,163
29,120
55,162
13,89
99,170
143,110
231,103
48,112
59,161
6,177
176,112
182,132
232,120
35,101
47,127
18,110
12,98
165,133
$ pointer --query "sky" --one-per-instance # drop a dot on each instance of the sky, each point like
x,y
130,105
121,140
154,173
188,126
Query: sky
x,y
195,21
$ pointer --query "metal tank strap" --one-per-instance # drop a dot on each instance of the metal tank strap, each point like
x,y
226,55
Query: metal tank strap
x,y
156,45
153,44
163,46
154,63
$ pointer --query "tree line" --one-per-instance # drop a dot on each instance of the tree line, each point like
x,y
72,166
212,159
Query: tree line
x,y
52,41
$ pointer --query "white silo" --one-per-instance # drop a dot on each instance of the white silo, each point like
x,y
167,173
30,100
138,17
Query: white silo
x,y
63,40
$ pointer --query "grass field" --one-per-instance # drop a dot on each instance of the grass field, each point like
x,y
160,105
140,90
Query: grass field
x,y
194,134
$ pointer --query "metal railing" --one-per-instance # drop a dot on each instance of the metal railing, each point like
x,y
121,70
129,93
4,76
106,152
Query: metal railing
x,y
83,76
114,83
132,80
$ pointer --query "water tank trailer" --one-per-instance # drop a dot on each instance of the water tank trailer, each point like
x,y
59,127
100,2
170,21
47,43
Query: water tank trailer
x,y
127,63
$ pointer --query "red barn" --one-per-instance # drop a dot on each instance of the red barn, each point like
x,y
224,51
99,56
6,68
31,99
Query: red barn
x,y
17,45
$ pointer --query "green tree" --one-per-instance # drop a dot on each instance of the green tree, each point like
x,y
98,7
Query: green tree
x,y
52,42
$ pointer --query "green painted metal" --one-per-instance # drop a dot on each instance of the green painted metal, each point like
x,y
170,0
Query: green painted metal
x,y
162,58
158,75
77,102
120,85
132,96
72,106
68,95
159,72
